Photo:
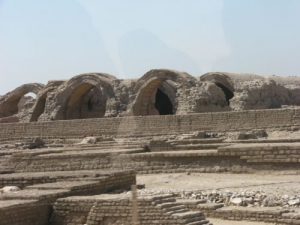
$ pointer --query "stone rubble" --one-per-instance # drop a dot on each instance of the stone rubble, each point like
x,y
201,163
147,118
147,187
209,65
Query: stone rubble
x,y
243,198
8,189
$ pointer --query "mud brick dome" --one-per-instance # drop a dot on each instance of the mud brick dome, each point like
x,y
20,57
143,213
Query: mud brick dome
x,y
158,92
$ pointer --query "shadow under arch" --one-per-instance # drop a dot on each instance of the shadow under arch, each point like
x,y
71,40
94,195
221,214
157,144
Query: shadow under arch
x,y
222,81
39,108
156,92
9,103
84,96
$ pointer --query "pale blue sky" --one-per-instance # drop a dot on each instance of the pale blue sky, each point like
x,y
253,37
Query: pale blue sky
x,y
43,40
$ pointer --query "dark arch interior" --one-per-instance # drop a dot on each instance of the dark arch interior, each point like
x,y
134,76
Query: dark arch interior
x,y
87,101
90,105
163,104
228,93
39,109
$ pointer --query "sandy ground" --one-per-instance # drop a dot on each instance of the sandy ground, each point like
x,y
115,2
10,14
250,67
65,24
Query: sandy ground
x,y
283,134
229,222
269,183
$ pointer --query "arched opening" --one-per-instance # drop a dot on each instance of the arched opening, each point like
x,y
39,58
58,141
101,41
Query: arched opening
x,y
156,92
19,99
228,93
84,96
223,81
163,104
27,101
86,101
16,103
39,108
157,97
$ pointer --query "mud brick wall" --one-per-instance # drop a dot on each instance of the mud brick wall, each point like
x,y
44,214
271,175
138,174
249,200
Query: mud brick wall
x,y
112,210
115,180
62,163
266,214
24,213
175,163
24,181
262,214
257,153
14,211
122,180
153,125
167,162
142,163
180,163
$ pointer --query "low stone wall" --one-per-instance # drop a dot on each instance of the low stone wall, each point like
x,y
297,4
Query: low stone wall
x,y
261,214
154,125
156,162
31,206
105,181
288,153
117,210
252,214
182,162
24,212
163,162
269,215
63,162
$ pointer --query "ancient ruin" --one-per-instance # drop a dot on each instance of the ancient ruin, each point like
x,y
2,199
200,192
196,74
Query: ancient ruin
x,y
213,149
158,92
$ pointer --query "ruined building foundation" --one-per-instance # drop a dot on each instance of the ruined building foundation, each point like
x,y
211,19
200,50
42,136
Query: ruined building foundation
x,y
70,155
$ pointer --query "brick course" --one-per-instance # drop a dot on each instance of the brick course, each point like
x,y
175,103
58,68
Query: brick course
x,y
154,125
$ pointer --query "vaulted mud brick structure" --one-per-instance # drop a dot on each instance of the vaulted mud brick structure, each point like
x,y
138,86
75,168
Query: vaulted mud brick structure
x,y
220,145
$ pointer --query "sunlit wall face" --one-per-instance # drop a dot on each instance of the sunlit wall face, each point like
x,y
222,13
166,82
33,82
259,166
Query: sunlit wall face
x,y
46,40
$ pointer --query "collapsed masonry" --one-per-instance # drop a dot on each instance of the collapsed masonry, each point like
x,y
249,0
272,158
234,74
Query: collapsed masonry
x,y
158,92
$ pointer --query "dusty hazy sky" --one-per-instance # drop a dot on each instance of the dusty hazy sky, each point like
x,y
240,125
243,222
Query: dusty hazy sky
x,y
42,40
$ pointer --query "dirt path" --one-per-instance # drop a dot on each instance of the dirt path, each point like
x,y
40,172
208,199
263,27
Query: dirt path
x,y
269,183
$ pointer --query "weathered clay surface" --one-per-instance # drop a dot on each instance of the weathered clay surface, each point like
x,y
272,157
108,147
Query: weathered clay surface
x,y
14,102
158,92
